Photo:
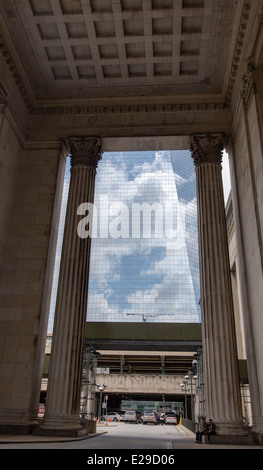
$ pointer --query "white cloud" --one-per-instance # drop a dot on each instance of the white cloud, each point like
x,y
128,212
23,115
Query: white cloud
x,y
152,182
99,304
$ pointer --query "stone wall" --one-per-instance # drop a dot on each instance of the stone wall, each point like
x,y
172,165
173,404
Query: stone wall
x,y
26,245
246,177
148,384
10,149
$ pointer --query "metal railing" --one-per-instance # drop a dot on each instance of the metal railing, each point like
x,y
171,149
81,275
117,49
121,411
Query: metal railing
x,y
191,425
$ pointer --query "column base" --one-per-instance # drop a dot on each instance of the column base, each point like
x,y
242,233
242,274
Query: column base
x,y
18,429
61,426
60,432
17,422
226,428
257,429
231,440
257,437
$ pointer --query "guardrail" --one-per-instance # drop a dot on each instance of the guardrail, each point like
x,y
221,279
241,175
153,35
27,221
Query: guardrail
x,y
189,424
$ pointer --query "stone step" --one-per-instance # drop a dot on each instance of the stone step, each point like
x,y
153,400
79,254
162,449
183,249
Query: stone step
x,y
230,440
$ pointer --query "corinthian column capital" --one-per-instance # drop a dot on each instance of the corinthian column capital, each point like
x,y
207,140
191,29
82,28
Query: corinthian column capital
x,y
85,151
207,148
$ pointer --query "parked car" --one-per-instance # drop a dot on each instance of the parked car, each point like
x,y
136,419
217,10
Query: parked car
x,y
170,418
122,415
111,416
150,417
132,416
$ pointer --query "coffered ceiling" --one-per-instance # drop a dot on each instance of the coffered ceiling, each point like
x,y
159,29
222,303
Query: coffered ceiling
x,y
118,49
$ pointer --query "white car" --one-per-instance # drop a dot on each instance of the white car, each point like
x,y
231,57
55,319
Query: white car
x,y
112,416
132,416
122,415
150,417
170,418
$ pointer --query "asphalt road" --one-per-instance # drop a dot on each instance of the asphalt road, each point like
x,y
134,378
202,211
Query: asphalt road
x,y
119,436
138,436
116,436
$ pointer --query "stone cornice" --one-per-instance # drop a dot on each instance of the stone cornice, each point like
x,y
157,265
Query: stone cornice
x,y
127,109
238,50
35,110
15,74
249,87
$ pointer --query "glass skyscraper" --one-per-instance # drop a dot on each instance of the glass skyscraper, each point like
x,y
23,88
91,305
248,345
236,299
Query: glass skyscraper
x,y
144,257
59,247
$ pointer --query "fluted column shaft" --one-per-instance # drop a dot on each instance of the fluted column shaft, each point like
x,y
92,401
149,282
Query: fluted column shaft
x,y
222,391
65,372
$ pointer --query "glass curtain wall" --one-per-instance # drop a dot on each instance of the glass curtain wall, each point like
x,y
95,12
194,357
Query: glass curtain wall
x,y
59,247
144,258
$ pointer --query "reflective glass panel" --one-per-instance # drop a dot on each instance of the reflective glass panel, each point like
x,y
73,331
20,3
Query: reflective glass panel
x,y
144,257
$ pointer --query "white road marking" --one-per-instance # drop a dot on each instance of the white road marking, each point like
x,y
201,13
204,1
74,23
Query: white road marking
x,y
168,445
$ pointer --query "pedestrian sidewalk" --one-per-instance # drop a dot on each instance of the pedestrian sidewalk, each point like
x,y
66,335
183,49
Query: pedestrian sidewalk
x,y
187,440
31,439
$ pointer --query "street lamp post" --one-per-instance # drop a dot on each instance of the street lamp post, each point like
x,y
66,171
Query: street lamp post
x,y
184,386
101,390
89,383
198,367
190,375
193,379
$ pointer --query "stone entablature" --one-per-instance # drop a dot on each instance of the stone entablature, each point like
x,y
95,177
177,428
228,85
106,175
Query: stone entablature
x,y
213,98
148,384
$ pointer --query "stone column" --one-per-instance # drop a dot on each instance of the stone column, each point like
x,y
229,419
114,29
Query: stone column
x,y
222,391
66,364
3,103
